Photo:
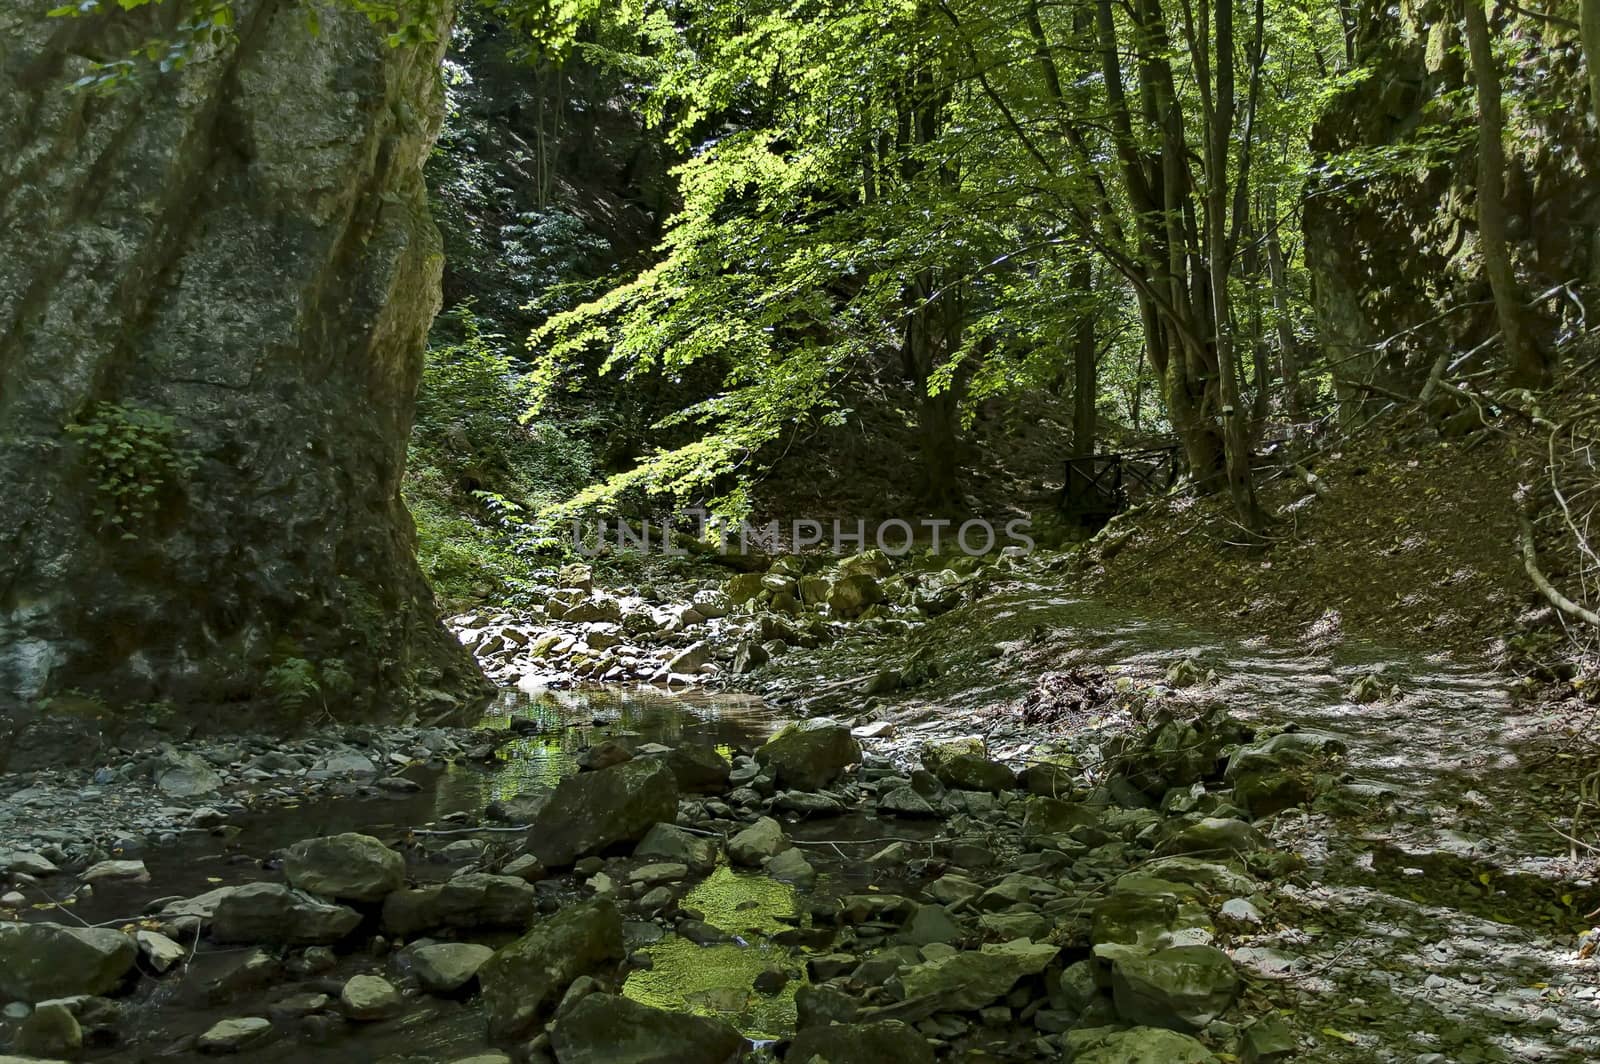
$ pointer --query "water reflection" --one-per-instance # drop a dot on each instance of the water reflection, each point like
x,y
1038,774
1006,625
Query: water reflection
x,y
568,721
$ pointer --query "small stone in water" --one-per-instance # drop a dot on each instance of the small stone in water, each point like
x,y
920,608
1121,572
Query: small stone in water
x,y
526,867
158,950
51,1031
655,899
771,981
130,871
296,1005
318,959
666,872
445,967
230,1036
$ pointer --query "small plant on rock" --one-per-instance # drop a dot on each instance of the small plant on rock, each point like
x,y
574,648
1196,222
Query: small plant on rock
x,y
133,453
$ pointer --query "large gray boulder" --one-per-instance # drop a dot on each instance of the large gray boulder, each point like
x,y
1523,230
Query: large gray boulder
x,y
1284,750
370,997
668,842
970,979
522,980
1214,837
1146,911
446,967
234,1034
810,754
185,775
482,900
50,1031
756,843
217,281
966,772
1282,771
851,595
593,811
475,901
607,1029
698,769
43,961
350,867
1182,988
272,912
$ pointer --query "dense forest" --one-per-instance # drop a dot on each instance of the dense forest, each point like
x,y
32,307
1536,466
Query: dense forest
x,y
983,531
702,256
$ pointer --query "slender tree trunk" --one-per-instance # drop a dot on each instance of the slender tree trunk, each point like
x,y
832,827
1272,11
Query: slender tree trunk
x,y
1589,22
933,330
1218,131
1526,364
1294,400
1085,382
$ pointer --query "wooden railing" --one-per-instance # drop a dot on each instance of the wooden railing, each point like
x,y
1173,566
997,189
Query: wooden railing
x,y
1102,484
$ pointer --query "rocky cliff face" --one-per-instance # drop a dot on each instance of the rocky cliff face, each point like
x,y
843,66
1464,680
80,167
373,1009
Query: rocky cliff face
x,y
214,290
1391,231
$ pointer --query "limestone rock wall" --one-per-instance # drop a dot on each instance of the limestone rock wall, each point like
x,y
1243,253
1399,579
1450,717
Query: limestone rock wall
x,y
215,286
1390,230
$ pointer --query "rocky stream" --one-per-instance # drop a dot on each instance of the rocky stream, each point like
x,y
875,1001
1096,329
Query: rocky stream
x,y
883,814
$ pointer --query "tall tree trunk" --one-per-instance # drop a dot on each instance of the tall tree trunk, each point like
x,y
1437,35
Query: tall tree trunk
x,y
1253,269
1085,382
1218,107
1294,399
1589,23
1526,363
933,332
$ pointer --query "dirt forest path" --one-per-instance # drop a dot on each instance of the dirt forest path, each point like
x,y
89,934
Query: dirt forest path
x,y
1438,921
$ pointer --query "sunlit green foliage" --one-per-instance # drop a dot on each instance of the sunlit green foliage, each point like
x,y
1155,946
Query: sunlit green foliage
x,y
477,469
912,182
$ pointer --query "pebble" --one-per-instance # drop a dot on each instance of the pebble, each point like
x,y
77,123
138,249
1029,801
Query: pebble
x,y
230,1036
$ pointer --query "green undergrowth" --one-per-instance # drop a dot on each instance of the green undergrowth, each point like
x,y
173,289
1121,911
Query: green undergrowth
x,y
478,470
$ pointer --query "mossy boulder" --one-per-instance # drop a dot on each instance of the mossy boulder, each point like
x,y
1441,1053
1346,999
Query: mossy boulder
x,y
608,1029
524,980
1182,988
810,754
593,811
850,596
349,867
1140,1045
861,1043
43,961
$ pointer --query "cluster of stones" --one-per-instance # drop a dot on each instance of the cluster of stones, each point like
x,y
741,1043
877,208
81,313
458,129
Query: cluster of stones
x,y
583,633
139,798
1058,915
